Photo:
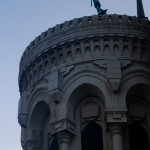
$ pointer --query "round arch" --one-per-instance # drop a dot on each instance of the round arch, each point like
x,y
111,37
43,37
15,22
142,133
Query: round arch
x,y
39,116
80,93
139,90
138,104
40,96
82,87
37,122
129,84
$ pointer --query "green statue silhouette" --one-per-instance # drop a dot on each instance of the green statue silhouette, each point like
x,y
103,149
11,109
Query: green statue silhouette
x,y
98,7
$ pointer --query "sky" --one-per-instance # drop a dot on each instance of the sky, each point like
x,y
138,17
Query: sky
x,y
20,22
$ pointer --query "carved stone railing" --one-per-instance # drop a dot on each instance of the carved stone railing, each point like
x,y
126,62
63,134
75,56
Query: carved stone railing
x,y
87,38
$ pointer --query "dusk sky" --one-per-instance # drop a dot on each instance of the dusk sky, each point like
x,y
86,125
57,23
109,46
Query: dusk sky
x,y
23,20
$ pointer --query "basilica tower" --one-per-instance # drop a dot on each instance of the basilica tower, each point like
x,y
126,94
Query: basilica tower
x,y
85,85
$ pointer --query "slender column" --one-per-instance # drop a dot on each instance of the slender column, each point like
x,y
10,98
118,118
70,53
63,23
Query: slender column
x,y
116,132
64,140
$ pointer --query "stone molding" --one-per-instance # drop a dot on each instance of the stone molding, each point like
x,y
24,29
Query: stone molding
x,y
115,128
42,66
116,116
90,21
64,137
68,44
62,125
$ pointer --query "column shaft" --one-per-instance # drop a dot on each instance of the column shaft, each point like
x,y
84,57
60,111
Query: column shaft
x,y
116,132
64,140
64,146
117,142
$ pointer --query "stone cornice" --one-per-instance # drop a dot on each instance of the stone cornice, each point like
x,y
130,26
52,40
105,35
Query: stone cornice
x,y
67,39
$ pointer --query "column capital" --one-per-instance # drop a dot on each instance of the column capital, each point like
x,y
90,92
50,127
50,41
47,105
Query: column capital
x,y
64,137
116,133
62,125
115,128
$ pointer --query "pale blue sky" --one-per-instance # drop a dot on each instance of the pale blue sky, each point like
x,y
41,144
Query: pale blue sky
x,y
23,20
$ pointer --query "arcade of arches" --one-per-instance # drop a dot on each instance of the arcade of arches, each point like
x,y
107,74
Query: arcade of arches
x,y
93,129
85,85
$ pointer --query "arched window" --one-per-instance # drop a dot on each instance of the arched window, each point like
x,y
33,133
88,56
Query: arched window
x,y
138,138
92,137
54,145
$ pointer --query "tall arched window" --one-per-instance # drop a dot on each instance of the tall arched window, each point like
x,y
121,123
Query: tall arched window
x,y
138,138
92,138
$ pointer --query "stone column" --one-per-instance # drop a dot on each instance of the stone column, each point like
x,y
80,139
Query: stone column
x,y
116,132
64,140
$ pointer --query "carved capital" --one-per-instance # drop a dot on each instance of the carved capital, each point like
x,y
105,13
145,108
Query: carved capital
x,y
116,133
62,125
116,116
115,128
64,137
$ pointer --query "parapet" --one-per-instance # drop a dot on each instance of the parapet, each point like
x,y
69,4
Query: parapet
x,y
85,38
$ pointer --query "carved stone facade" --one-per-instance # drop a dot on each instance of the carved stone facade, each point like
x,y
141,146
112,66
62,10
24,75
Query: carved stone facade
x,y
85,84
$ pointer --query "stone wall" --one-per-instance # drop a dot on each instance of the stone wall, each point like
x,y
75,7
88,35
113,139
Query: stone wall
x,y
91,69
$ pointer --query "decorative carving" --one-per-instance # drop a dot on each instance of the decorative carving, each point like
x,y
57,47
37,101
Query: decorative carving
x,y
116,116
90,111
66,70
101,63
55,85
114,74
62,125
50,49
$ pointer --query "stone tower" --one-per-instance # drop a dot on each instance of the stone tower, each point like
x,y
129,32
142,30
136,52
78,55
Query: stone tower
x,y
85,85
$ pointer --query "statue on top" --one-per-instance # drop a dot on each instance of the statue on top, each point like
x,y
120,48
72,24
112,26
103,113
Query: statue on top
x,y
98,7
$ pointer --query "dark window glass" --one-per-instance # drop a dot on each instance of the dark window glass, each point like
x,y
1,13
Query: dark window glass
x,y
54,145
138,137
92,137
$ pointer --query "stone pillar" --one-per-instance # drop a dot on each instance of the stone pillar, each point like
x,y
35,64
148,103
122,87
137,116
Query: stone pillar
x,y
116,132
64,140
